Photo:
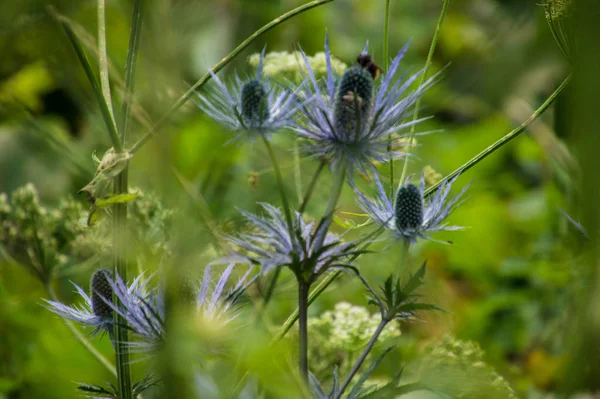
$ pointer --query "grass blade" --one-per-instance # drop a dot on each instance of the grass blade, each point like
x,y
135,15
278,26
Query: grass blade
x,y
104,109
103,59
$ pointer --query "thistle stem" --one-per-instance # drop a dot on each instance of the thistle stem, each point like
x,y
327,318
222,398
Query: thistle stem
x,y
363,356
403,256
226,60
287,213
386,61
303,328
271,288
336,191
120,238
422,79
284,200
80,337
311,186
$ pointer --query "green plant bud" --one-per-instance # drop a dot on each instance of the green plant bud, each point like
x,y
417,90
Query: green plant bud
x,y
353,101
255,106
408,208
100,288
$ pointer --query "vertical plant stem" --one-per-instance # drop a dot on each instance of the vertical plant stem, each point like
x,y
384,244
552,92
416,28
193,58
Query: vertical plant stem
x,y
130,68
303,328
297,170
311,186
363,356
120,238
405,245
338,183
422,79
80,337
286,211
271,287
386,61
284,200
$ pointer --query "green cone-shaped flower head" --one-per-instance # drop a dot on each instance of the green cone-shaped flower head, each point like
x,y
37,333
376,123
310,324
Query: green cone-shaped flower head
x,y
408,208
255,103
101,291
353,101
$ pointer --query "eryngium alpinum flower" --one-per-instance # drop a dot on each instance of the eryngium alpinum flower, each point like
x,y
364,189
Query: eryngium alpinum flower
x,y
270,245
96,311
352,118
411,216
144,310
251,107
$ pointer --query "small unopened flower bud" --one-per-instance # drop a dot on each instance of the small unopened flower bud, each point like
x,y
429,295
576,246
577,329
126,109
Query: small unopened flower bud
x,y
255,107
409,208
101,291
353,101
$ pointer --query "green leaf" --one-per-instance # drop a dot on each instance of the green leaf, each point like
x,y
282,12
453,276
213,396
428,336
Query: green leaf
x,y
115,199
85,63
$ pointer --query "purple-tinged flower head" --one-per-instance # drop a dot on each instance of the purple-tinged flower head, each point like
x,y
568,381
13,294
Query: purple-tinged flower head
x,y
95,311
270,244
251,107
101,291
144,310
351,118
410,215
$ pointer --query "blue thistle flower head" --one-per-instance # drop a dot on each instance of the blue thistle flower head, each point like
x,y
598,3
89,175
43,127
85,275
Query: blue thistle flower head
x,y
270,244
96,310
410,215
144,310
351,118
251,107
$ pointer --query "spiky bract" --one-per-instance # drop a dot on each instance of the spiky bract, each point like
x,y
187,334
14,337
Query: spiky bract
x,y
251,107
325,124
412,216
270,244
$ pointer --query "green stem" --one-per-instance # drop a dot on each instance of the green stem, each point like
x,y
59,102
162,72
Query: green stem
x,y
422,79
386,35
284,200
386,61
338,183
303,328
120,238
502,141
403,257
322,286
311,186
104,108
226,60
363,356
132,53
80,337
271,288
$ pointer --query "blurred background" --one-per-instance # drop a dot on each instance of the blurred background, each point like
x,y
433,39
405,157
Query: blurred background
x,y
508,283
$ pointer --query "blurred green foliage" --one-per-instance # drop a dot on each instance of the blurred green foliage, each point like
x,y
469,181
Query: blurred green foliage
x,y
508,282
